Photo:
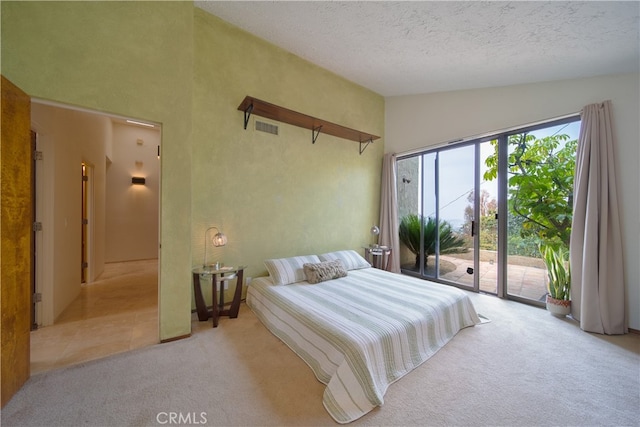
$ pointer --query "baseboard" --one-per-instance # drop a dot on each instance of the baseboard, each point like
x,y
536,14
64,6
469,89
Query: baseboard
x,y
634,331
175,338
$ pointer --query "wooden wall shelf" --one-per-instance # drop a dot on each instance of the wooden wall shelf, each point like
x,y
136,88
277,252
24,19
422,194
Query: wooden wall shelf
x,y
255,106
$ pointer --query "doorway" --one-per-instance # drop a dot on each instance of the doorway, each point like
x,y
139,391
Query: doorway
x,y
474,214
81,142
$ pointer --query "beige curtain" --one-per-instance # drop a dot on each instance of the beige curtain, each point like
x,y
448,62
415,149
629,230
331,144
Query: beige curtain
x,y
597,288
389,211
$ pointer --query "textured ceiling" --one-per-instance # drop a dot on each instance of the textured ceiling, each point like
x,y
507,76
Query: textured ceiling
x,y
400,48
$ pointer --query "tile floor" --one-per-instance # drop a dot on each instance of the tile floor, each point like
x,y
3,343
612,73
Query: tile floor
x,y
116,313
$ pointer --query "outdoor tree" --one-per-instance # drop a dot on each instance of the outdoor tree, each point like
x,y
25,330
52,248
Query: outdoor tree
x,y
486,219
540,184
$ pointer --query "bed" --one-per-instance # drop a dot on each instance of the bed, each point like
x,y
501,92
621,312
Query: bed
x,y
361,331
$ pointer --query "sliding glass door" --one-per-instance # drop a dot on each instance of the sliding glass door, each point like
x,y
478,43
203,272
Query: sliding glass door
x,y
475,215
487,223
540,168
446,214
454,217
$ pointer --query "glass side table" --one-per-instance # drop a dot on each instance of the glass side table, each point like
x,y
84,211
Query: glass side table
x,y
378,256
219,275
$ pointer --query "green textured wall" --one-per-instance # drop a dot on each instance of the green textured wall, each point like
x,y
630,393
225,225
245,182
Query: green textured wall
x,y
170,63
129,58
277,196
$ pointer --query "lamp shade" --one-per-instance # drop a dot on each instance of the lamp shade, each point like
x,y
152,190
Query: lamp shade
x,y
375,231
219,239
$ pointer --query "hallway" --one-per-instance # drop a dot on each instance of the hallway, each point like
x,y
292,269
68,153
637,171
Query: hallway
x,y
116,313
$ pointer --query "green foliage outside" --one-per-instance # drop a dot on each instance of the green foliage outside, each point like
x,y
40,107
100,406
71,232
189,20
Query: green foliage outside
x,y
410,225
521,245
540,189
488,221
517,244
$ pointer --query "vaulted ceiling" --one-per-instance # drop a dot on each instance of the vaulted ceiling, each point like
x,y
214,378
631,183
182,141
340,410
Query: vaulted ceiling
x,y
400,48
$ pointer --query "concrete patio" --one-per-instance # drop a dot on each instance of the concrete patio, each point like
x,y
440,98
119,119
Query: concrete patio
x,y
526,281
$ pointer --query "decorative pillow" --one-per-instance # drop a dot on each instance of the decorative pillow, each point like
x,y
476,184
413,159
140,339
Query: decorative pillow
x,y
327,270
285,271
351,259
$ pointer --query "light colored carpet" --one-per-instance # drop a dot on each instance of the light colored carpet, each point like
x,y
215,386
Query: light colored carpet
x,y
523,368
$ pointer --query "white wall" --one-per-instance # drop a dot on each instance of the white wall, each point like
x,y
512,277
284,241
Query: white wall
x,y
132,210
67,138
418,121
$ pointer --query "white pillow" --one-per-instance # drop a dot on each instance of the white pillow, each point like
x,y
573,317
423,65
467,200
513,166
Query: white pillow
x,y
351,259
284,271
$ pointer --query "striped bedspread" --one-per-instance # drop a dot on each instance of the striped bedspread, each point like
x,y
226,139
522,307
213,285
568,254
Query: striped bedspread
x,y
362,332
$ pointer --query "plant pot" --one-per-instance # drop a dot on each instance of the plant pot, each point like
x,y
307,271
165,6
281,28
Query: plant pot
x,y
558,307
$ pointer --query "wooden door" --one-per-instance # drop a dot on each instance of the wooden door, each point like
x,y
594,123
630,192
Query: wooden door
x,y
15,236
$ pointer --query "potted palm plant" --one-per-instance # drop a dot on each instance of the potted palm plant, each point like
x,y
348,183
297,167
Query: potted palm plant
x,y
556,260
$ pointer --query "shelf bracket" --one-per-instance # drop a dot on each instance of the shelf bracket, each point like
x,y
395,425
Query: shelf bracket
x,y
247,115
314,133
366,142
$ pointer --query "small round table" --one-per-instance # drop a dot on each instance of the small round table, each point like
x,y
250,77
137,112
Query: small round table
x,y
219,275
378,256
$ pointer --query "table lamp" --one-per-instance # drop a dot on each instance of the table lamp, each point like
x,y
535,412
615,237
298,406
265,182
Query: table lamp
x,y
218,239
375,231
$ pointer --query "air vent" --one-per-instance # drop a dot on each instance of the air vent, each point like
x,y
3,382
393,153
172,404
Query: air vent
x,y
266,127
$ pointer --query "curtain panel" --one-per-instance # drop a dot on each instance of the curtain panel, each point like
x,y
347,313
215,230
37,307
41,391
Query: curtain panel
x,y
597,288
389,211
